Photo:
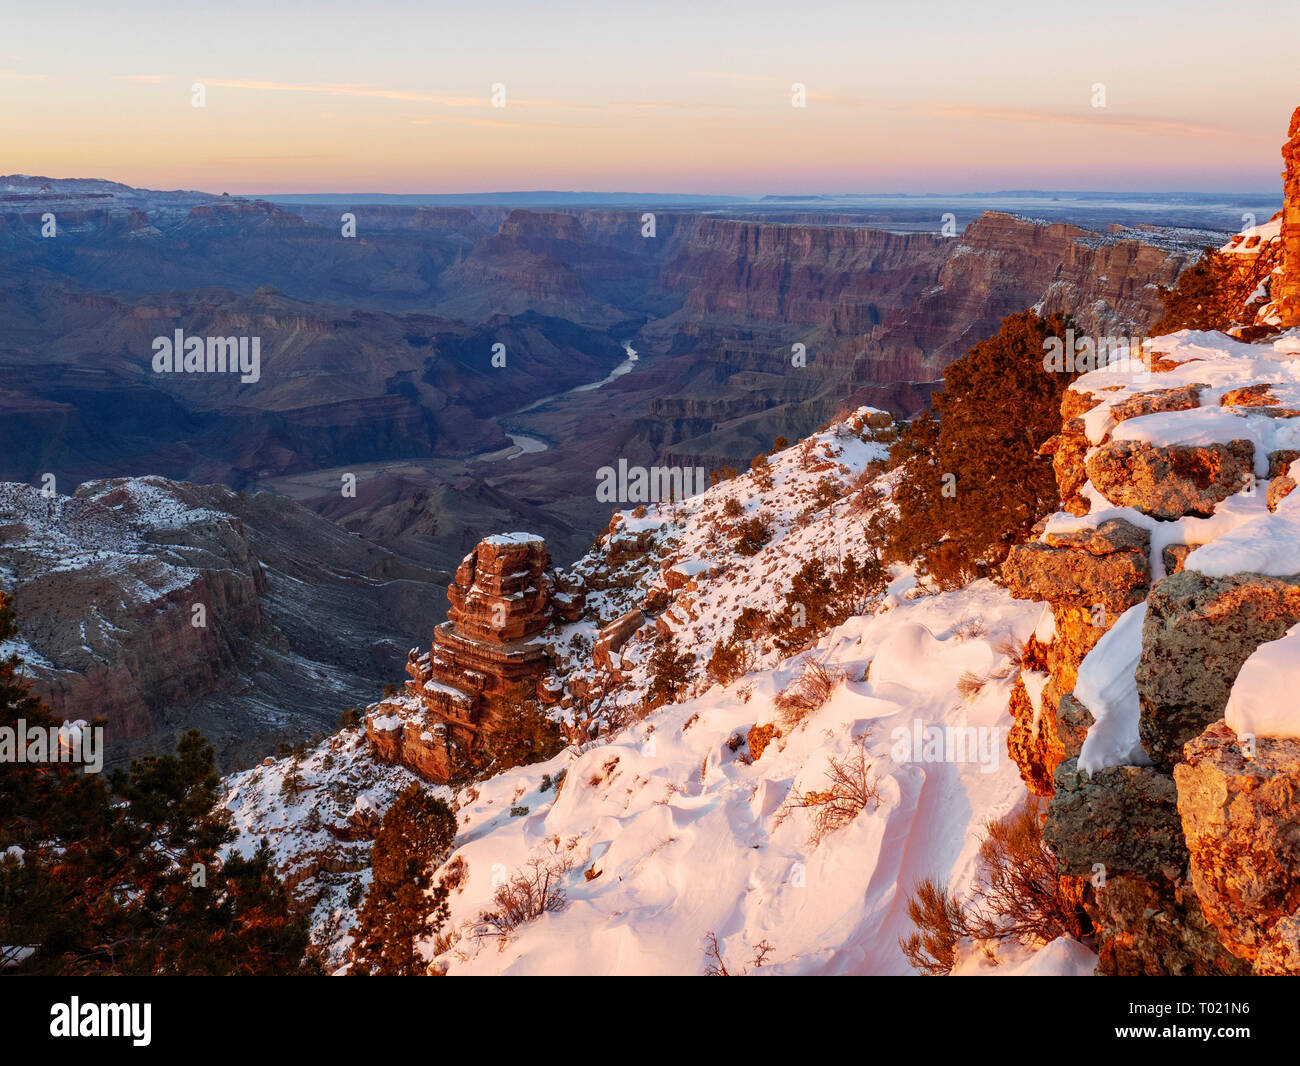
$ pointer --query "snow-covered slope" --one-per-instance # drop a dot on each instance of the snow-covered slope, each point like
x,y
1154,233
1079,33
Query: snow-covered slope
x,y
685,824
318,827
684,836
812,501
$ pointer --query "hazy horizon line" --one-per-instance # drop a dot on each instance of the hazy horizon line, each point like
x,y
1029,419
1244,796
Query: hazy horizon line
x,y
642,194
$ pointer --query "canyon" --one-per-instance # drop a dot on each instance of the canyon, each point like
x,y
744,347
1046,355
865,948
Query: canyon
x,y
377,349
382,407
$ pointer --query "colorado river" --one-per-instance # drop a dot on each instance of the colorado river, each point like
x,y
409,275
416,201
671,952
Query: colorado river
x,y
622,368
525,445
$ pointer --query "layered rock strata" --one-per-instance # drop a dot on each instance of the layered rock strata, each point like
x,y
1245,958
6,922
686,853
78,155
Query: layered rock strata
x,y
483,663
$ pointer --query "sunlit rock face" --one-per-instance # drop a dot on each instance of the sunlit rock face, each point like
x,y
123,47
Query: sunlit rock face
x,y
1286,287
483,661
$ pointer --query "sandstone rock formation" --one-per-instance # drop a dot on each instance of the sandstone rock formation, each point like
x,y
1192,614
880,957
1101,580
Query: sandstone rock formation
x,y
1184,865
1198,633
484,661
1286,287
1240,817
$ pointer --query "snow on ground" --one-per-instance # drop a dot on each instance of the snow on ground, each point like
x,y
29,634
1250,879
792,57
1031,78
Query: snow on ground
x,y
684,837
807,500
1252,239
670,829
1063,957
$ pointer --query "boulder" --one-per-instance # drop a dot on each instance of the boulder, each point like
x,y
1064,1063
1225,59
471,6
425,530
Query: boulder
x,y
1280,482
1170,481
1106,565
1073,720
1197,634
1183,398
1124,818
1156,928
613,636
1241,818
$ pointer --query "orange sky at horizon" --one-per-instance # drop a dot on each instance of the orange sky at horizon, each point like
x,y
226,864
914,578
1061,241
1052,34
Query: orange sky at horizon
x,y
364,108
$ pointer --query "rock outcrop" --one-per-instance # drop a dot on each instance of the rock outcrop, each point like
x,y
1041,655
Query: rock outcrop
x,y
1239,815
484,662
1198,633
1181,835
1286,287
1173,481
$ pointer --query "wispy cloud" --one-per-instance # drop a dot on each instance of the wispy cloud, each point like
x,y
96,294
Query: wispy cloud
x,y
14,75
516,101
330,89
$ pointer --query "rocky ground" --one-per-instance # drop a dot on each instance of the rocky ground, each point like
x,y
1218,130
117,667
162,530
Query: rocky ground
x,y
1172,586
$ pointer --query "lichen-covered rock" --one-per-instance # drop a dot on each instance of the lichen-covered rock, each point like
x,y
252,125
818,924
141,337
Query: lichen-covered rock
x,y
1155,928
1241,820
1280,957
1119,832
1183,398
1198,632
1072,722
1279,460
1123,820
1170,481
1108,565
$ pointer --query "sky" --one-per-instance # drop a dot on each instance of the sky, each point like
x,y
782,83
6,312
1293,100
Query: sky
x,y
676,96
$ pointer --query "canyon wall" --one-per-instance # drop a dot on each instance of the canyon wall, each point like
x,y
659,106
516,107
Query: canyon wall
x,y
161,606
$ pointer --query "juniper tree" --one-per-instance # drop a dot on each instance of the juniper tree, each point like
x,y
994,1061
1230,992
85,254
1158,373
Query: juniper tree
x,y
403,905
973,481
125,875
